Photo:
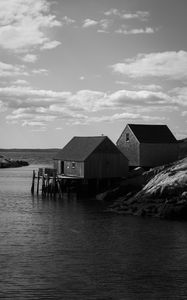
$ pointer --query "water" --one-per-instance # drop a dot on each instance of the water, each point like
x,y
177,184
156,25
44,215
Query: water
x,y
71,249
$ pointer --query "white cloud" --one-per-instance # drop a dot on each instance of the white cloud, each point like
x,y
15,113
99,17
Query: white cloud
x,y
126,116
141,15
89,23
146,30
101,25
26,95
67,21
31,58
171,64
46,106
180,95
59,128
104,25
20,82
40,71
32,123
25,24
83,100
3,106
50,45
149,87
7,70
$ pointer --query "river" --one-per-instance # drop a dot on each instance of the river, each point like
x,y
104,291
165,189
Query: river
x,y
71,249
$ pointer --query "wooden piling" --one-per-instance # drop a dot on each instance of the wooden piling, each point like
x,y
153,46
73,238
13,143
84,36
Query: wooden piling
x,y
38,182
43,185
47,185
59,188
33,181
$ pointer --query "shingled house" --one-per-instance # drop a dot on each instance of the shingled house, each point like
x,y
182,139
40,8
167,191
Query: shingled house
x,y
148,145
91,157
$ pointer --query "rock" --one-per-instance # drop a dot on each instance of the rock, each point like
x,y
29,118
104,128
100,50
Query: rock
x,y
164,195
184,195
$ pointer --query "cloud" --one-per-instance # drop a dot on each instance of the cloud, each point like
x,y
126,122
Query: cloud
x,y
31,58
24,96
180,95
149,87
67,21
83,100
29,116
3,106
50,45
89,23
33,123
7,70
40,71
29,106
184,113
101,25
171,64
125,116
147,30
25,24
141,15
20,82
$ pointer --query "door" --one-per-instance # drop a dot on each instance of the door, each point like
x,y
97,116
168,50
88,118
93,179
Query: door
x,y
62,167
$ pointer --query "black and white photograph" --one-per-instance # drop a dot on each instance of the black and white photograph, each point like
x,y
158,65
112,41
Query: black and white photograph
x,y
93,150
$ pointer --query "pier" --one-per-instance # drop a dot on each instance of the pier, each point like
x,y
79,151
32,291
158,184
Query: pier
x,y
46,182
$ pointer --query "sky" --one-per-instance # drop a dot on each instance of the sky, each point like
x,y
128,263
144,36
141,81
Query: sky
x,y
88,67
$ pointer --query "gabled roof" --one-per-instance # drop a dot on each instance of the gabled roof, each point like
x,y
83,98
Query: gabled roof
x,y
152,133
79,148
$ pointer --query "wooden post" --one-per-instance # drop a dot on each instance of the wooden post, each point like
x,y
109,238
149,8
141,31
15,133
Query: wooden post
x,y
47,185
33,180
38,182
54,184
59,188
43,185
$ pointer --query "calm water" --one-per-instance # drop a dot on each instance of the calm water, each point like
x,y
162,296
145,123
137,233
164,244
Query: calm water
x,y
70,249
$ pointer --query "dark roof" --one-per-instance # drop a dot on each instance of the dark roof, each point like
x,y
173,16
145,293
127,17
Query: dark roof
x,y
152,133
79,148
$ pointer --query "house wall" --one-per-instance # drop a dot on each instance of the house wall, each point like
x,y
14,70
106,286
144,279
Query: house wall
x,y
74,168
129,148
106,165
157,154
57,166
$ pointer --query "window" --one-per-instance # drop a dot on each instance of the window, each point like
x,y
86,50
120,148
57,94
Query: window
x,y
127,137
73,165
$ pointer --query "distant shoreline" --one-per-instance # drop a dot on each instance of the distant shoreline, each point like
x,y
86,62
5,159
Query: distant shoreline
x,y
28,149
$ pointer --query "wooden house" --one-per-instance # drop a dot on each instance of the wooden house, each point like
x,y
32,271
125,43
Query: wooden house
x,y
91,157
148,145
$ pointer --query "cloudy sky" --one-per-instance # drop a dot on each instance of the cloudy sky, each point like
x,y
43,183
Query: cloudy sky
x,y
89,67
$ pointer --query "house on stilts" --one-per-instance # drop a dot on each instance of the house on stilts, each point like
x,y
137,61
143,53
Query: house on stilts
x,y
93,157
148,145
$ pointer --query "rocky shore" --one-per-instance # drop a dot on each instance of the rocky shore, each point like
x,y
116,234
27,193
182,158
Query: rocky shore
x,y
160,192
10,163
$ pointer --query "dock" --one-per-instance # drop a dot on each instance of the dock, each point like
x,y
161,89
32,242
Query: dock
x,y
46,182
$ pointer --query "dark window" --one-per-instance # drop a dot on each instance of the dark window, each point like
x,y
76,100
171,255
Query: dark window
x,y
73,165
127,137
